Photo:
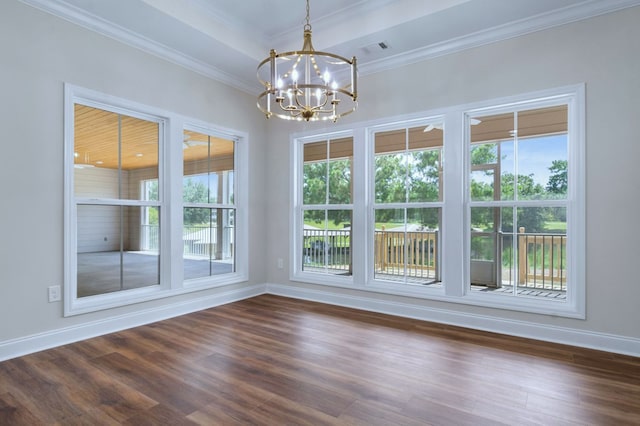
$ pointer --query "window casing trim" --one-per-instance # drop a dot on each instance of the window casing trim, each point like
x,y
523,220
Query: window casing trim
x,y
170,200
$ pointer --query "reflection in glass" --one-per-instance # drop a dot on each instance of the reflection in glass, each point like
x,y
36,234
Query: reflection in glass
x,y
208,167
113,153
208,238
208,220
114,251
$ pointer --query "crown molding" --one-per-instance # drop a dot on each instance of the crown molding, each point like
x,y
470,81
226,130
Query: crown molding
x,y
569,14
540,22
94,23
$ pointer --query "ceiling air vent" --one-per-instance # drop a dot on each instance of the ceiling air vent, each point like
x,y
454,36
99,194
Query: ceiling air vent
x,y
375,47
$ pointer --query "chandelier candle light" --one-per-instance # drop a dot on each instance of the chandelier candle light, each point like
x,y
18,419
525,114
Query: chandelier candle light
x,y
307,84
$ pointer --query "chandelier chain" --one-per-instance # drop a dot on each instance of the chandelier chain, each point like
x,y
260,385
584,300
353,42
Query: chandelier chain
x,y
308,24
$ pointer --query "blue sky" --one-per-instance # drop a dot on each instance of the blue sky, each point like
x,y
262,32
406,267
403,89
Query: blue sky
x,y
536,156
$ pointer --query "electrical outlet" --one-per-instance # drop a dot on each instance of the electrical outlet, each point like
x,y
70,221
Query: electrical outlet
x,y
54,293
280,263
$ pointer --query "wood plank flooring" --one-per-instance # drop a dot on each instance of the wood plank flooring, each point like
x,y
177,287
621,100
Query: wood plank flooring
x,y
274,361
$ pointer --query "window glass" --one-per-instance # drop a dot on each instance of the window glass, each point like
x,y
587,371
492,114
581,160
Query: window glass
x,y
530,144
326,242
406,245
123,184
115,162
519,249
111,253
408,174
208,233
112,152
327,216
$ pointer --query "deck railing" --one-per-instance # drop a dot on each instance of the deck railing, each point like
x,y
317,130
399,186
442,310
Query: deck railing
x,y
544,264
199,241
327,249
412,254
331,249
541,259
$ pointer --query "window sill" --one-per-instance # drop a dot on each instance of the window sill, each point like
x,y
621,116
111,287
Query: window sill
x,y
74,306
556,308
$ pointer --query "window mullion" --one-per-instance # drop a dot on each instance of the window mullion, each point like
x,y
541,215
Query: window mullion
x,y
455,216
171,197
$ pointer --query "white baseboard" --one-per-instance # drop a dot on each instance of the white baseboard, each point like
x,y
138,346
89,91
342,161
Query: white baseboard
x,y
568,336
574,337
41,341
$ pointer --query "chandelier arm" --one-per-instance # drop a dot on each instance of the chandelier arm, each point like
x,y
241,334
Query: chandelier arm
x,y
309,87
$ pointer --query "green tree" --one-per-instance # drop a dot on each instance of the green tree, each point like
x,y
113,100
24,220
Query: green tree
x,y
557,183
424,176
152,195
413,177
486,153
340,181
390,178
195,192
527,187
314,188
532,218
481,191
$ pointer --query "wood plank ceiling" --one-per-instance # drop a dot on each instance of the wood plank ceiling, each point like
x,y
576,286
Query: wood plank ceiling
x,y
110,140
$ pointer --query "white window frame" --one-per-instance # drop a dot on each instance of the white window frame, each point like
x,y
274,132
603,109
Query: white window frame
x,y
574,306
455,226
170,203
241,235
391,286
297,273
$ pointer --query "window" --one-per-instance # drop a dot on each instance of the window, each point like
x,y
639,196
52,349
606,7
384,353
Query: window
x,y
519,200
122,220
111,152
208,200
408,193
325,210
479,204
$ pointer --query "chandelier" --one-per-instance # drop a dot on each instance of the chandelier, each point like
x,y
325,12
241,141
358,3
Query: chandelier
x,y
307,84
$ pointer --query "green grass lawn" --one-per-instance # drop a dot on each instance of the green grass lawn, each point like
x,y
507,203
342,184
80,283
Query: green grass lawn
x,y
551,226
556,227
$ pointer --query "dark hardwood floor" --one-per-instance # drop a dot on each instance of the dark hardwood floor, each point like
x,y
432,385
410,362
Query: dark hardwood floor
x,y
275,361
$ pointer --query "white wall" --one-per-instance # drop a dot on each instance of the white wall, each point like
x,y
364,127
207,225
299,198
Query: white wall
x,y
601,52
38,54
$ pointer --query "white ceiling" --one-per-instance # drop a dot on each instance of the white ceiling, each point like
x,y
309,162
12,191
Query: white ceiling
x,y
225,39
